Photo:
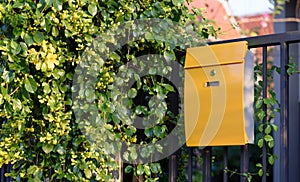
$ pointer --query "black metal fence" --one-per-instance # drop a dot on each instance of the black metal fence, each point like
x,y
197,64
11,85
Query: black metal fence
x,y
4,170
284,41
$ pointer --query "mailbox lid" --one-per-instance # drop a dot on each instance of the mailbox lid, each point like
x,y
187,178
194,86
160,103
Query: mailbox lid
x,y
228,53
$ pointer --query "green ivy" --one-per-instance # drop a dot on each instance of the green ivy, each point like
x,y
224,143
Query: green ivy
x,y
264,130
41,44
279,5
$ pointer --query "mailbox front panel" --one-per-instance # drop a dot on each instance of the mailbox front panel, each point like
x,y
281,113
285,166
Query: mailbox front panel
x,y
214,105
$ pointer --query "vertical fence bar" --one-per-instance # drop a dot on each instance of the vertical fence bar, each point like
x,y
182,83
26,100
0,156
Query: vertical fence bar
x,y
190,165
207,164
284,114
244,162
265,87
8,179
225,156
3,170
174,102
2,174
173,168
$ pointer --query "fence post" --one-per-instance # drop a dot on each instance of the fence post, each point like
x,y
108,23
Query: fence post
x,y
225,156
190,165
244,162
173,168
206,164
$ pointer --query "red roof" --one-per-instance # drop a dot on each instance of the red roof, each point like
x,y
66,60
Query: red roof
x,y
234,27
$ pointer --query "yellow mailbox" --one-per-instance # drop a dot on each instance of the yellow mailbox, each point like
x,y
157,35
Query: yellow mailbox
x,y
218,95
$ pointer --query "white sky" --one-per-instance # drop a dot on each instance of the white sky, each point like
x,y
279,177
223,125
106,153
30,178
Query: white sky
x,y
249,7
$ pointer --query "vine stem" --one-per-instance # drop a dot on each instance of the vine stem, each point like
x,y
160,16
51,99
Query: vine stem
x,y
14,91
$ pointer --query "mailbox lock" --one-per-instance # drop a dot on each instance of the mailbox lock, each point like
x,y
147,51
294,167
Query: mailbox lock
x,y
213,72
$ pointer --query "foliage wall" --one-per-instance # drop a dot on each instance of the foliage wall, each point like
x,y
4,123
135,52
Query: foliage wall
x,y
41,44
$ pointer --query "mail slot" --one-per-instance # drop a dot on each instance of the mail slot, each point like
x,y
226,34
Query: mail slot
x,y
218,95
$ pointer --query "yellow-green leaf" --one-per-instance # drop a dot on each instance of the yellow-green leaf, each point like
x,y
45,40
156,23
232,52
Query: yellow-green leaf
x,y
38,37
140,170
132,93
55,31
28,39
30,85
92,8
260,172
87,173
47,148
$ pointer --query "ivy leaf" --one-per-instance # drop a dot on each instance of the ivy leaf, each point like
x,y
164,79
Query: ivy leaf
x,y
132,93
169,56
259,165
17,105
261,127
275,128
260,172
157,131
47,148
149,36
30,85
36,179
133,154
55,31
24,47
4,92
87,173
32,169
68,33
140,170
148,132
92,8
268,138
61,150
273,101
58,4
128,169
18,4
152,71
258,104
159,148
16,48
115,56
260,143
268,129
155,168
145,152
46,89
271,159
147,170
38,37
1,99
261,115
49,2
126,155
290,71
169,87
271,143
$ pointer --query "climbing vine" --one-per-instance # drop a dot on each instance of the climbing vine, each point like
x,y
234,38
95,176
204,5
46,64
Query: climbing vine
x,y
41,44
265,110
